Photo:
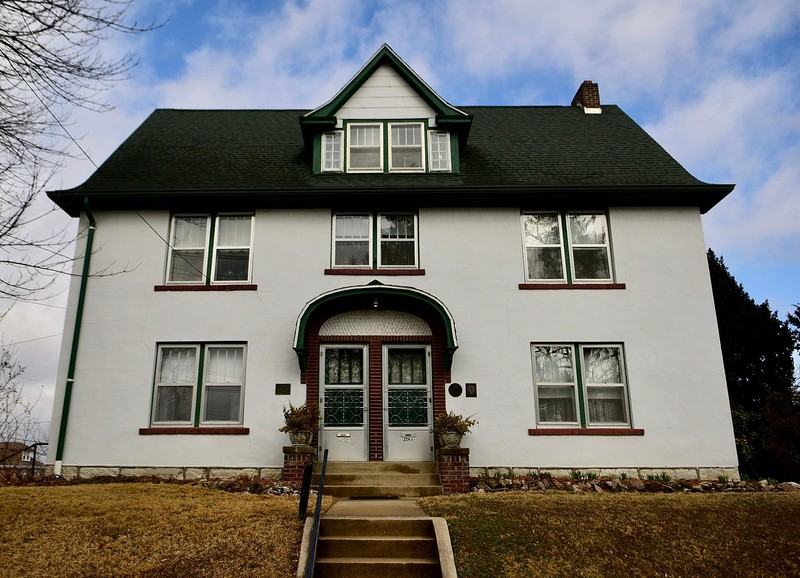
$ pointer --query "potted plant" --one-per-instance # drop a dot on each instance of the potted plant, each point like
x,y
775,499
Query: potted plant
x,y
451,427
300,422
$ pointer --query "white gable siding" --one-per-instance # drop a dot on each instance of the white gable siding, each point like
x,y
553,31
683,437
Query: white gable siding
x,y
385,95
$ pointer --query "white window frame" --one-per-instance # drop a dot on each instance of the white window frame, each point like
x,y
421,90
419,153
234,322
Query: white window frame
x,y
331,159
199,385
444,165
369,239
217,248
210,249
622,385
172,249
158,384
351,146
567,248
582,387
573,246
573,384
414,241
375,240
561,250
206,384
421,146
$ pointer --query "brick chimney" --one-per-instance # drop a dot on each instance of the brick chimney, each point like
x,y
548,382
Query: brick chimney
x,y
588,97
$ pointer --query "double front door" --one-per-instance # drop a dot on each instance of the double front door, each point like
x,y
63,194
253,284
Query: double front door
x,y
387,413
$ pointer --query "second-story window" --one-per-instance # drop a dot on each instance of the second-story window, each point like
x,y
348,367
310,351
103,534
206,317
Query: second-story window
x,y
395,247
206,249
566,247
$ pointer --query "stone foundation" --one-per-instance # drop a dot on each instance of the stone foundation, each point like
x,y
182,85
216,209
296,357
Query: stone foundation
x,y
687,473
177,473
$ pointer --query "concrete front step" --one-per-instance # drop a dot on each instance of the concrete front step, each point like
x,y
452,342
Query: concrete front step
x,y
372,567
379,467
383,491
377,547
376,526
380,479
389,547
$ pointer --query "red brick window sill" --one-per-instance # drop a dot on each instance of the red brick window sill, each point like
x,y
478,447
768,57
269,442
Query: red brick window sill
x,y
556,286
585,431
248,287
204,430
374,272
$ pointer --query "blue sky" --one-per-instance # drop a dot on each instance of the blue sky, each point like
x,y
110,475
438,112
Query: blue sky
x,y
716,82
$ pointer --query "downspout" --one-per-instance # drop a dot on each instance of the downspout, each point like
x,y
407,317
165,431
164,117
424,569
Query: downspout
x,y
76,333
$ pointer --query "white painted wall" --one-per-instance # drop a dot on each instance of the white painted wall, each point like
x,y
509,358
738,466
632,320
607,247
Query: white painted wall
x,y
474,263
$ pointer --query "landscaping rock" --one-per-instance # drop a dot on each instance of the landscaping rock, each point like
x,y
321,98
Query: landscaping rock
x,y
636,484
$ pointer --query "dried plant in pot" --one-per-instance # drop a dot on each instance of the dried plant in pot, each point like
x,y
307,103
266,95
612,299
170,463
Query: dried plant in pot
x,y
300,422
450,427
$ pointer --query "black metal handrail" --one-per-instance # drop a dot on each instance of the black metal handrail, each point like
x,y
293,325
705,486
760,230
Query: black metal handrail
x,y
312,547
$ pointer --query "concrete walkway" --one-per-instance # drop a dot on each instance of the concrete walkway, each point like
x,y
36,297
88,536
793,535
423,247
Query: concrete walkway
x,y
405,507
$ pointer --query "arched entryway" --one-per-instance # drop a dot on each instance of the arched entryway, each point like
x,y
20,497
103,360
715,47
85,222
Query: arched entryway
x,y
376,358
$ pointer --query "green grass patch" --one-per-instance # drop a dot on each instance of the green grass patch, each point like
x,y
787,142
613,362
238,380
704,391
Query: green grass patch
x,y
559,534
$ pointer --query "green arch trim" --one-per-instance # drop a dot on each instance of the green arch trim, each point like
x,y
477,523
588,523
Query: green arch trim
x,y
375,288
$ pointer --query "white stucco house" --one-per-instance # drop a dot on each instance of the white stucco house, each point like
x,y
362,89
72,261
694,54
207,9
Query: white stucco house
x,y
392,256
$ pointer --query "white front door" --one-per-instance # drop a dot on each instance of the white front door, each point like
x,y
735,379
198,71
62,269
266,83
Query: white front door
x,y
408,406
344,401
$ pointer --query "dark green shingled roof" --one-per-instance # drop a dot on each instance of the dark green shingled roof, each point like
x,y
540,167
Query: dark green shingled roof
x,y
515,156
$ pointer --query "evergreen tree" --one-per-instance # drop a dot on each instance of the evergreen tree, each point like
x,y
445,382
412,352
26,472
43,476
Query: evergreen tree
x,y
757,350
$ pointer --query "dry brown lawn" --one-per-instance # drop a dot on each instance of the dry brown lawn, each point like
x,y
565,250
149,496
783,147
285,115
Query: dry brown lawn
x,y
558,534
146,531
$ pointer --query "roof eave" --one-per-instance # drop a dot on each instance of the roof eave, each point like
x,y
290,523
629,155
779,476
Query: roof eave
x,y
702,195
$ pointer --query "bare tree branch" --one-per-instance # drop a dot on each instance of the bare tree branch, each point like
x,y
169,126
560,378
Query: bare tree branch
x,y
50,62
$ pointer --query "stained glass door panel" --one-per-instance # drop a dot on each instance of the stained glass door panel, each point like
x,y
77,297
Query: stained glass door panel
x,y
343,381
407,403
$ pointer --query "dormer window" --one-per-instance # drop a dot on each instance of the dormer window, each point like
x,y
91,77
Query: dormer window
x,y
384,146
332,151
439,150
365,147
407,147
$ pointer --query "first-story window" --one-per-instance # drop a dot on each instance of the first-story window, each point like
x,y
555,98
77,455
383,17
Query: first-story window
x,y
566,247
580,384
199,384
205,248
396,245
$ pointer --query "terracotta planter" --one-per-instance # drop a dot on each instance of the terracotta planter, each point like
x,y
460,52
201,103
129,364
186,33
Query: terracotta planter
x,y
300,438
450,439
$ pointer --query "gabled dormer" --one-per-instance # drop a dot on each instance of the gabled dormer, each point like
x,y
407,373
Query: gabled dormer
x,y
386,119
